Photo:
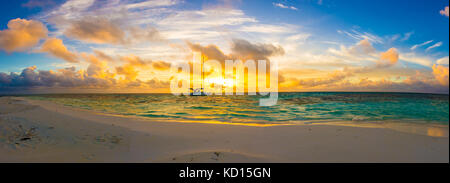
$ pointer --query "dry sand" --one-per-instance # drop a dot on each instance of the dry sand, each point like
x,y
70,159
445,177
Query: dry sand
x,y
41,131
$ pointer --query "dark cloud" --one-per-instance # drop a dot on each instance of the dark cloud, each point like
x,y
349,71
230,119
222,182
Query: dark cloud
x,y
211,51
243,49
70,78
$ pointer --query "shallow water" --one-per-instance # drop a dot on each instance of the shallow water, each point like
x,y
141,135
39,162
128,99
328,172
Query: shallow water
x,y
291,108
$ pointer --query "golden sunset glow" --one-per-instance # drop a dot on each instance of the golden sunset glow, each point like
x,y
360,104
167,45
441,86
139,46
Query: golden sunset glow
x,y
90,48
224,81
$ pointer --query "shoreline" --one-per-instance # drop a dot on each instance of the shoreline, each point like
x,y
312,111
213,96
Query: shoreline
x,y
428,129
66,134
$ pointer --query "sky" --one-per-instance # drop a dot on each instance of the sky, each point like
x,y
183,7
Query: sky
x,y
58,46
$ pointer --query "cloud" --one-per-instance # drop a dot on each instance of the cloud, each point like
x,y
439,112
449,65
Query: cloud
x,y
30,77
350,80
407,35
444,12
156,20
388,58
135,60
129,70
101,30
421,44
244,50
362,47
333,77
130,12
96,76
434,46
96,30
299,37
98,68
441,74
203,25
360,52
211,51
149,4
361,36
416,59
56,48
22,34
267,28
77,5
240,50
161,65
279,5
39,3
139,34
206,18
103,56
32,80
443,61
123,24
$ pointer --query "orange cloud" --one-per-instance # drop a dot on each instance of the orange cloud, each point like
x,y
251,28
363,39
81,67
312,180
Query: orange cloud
x,y
103,56
96,30
161,65
363,47
333,77
444,11
389,57
441,74
136,61
98,68
129,70
357,79
56,48
22,34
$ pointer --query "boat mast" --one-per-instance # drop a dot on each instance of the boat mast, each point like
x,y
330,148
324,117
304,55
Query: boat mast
x,y
202,75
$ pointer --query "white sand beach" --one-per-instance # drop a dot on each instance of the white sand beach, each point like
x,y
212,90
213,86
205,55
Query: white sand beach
x,y
42,131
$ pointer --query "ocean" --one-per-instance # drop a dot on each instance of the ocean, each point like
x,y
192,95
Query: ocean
x,y
292,108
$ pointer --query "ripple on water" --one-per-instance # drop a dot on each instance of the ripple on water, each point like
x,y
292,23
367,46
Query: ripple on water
x,y
315,106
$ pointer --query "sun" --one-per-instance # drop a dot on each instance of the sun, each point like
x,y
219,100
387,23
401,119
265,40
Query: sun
x,y
220,81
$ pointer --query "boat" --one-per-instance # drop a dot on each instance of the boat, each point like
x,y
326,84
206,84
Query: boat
x,y
197,92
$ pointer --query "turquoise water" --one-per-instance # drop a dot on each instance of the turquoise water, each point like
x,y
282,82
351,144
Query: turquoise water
x,y
291,107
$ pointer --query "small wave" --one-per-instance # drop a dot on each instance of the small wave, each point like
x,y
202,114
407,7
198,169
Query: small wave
x,y
200,107
360,118
157,116
315,106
